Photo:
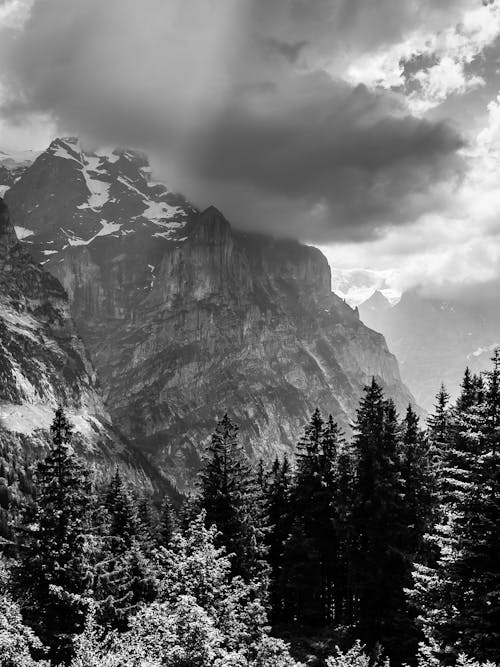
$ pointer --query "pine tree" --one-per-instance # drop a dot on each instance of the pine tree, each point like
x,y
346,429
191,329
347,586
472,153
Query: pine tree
x,y
124,577
277,504
438,426
54,575
167,525
327,522
149,523
232,500
303,580
312,554
420,484
124,523
344,503
382,562
459,596
467,391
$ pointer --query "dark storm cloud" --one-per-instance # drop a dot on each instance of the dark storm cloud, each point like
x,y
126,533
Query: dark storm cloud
x,y
344,164
234,95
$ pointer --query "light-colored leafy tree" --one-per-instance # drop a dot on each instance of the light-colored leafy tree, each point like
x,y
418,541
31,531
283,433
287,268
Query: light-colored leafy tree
x,y
203,617
16,640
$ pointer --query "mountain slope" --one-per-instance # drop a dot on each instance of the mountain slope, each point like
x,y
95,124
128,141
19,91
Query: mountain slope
x,y
43,364
434,339
186,318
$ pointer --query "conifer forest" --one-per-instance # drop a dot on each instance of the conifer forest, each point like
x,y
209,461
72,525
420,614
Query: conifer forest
x,y
379,549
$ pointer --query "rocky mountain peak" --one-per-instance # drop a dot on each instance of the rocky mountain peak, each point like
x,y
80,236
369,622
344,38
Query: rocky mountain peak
x,y
71,197
210,227
377,301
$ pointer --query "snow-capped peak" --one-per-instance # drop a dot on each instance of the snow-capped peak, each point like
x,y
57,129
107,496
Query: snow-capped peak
x,y
89,194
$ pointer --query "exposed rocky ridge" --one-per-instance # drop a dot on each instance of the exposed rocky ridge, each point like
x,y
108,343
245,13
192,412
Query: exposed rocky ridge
x,y
435,339
43,364
188,320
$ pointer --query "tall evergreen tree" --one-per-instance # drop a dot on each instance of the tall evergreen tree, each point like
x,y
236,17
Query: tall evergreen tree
x,y
54,575
438,426
460,596
303,579
148,523
124,577
277,505
232,499
467,391
122,511
167,525
420,484
382,562
344,503
313,548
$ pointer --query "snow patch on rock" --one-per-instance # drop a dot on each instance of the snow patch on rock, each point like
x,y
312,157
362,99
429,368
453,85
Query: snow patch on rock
x,y
23,233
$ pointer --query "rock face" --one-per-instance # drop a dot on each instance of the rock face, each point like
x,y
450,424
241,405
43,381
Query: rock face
x,y
434,340
43,362
186,318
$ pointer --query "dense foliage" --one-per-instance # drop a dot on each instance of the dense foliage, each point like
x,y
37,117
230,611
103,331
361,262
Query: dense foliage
x,y
358,552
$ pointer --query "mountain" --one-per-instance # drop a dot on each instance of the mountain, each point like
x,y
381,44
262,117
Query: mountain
x,y
43,364
434,339
374,308
186,318
357,285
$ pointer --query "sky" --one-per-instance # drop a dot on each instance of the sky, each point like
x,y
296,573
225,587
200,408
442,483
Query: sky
x,y
369,128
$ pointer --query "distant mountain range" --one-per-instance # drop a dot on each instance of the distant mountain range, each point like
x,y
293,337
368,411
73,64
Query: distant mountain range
x,y
184,317
433,339
357,285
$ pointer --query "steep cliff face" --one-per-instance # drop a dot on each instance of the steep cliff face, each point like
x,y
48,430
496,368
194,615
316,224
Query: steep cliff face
x,y
43,363
186,318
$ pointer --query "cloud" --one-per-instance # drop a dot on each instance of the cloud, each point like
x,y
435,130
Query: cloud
x,y
338,161
445,53
245,104
454,253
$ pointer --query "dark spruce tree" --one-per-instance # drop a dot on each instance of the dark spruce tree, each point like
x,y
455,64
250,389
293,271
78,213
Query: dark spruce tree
x,y
382,562
278,513
344,503
232,499
313,558
438,426
420,479
302,577
54,576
